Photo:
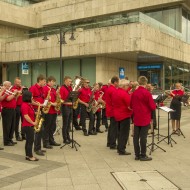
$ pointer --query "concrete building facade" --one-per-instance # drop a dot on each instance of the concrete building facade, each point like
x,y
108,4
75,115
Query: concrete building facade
x,y
137,37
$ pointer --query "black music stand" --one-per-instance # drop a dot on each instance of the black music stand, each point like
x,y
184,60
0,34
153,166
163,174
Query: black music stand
x,y
73,97
159,99
170,139
153,146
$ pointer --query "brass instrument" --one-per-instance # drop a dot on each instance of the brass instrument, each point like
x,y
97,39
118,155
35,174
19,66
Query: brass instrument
x,y
97,105
92,101
78,83
59,101
46,108
39,120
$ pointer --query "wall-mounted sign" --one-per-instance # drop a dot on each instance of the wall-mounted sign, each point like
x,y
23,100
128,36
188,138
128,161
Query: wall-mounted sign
x,y
25,68
121,72
146,67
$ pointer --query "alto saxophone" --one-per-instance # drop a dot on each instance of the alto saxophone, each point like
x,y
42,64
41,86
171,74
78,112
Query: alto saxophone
x,y
47,107
39,120
59,101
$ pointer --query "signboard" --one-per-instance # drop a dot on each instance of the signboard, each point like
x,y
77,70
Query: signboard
x,y
145,67
25,68
121,72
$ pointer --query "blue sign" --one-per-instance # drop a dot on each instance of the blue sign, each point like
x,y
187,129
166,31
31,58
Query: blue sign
x,y
25,68
121,72
145,67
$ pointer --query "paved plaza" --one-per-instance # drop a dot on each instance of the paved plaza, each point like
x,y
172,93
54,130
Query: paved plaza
x,y
96,167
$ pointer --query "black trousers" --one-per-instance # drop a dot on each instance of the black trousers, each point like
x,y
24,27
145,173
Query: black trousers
x,y
140,139
104,118
49,127
123,134
112,133
98,120
18,117
66,117
29,131
8,122
83,117
76,112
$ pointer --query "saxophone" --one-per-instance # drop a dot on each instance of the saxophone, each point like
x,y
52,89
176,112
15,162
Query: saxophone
x,y
59,101
39,120
97,105
92,101
47,107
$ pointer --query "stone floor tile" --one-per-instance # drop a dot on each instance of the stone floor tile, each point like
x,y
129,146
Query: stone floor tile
x,y
87,187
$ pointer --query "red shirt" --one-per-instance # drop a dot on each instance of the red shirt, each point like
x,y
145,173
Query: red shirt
x,y
121,104
85,94
52,97
8,104
104,90
142,105
19,98
64,92
37,93
177,92
109,105
27,109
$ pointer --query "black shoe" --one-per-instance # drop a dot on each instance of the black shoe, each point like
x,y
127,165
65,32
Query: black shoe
x,y
40,153
66,141
99,131
85,133
55,144
1,148
18,138
137,157
13,142
48,146
145,158
124,153
113,147
9,144
78,128
92,133
23,138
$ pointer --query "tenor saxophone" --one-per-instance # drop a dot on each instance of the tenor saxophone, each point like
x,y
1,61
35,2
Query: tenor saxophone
x,y
39,120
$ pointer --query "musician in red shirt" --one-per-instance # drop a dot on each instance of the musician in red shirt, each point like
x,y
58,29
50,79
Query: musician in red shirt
x,y
17,86
104,89
112,130
8,113
38,97
122,114
142,105
98,98
50,117
66,109
177,94
86,97
28,123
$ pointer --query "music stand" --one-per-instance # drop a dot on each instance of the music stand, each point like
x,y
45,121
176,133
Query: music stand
x,y
159,99
170,139
153,146
73,97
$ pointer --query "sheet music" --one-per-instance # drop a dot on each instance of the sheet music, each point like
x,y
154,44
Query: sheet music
x,y
45,103
155,97
166,109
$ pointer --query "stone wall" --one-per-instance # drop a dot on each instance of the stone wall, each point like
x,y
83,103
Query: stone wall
x,y
107,67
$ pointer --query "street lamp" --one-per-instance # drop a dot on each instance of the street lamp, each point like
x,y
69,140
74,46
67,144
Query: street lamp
x,y
62,41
